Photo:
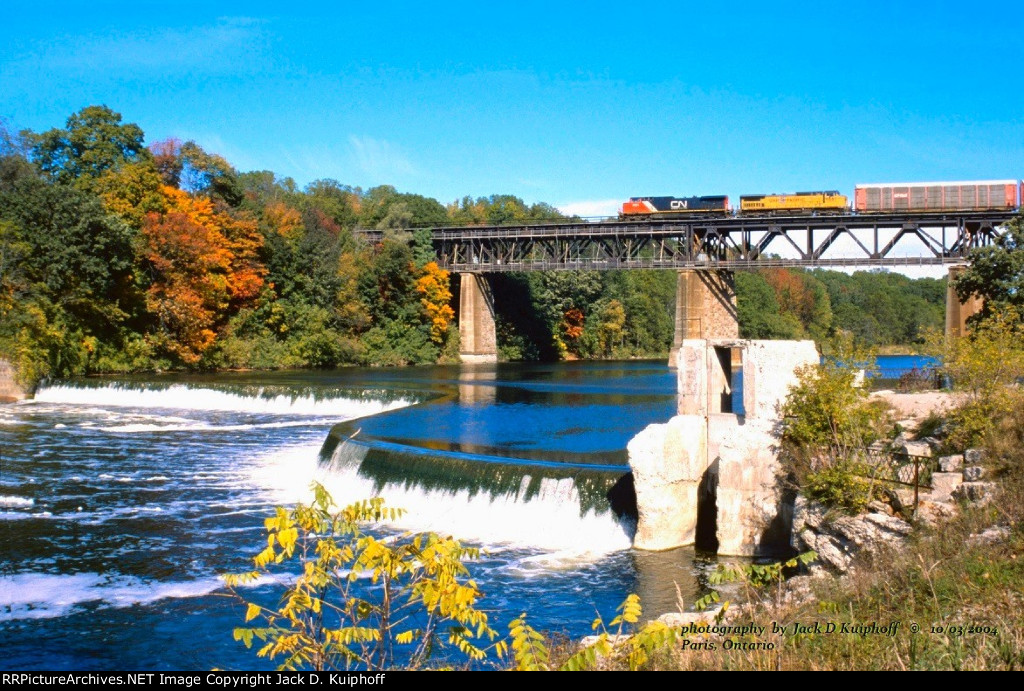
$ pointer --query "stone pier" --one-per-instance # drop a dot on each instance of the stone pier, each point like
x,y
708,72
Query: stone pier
x,y
705,307
710,474
477,339
958,312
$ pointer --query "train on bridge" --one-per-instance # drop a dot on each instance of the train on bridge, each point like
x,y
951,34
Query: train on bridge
x,y
922,197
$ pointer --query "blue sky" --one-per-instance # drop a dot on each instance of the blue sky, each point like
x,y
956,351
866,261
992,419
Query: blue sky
x,y
580,104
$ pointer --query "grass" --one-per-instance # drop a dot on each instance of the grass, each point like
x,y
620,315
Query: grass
x,y
957,603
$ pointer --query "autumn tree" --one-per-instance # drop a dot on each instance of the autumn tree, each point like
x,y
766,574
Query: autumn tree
x,y
132,191
436,296
201,260
167,160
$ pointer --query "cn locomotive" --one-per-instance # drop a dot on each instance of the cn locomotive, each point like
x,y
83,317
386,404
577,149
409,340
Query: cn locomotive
x,y
936,197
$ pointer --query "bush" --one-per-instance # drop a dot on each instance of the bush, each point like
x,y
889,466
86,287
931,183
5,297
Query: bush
x,y
842,486
986,368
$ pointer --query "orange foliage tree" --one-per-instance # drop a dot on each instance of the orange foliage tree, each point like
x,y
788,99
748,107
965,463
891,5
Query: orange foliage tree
x,y
283,220
202,262
572,323
433,285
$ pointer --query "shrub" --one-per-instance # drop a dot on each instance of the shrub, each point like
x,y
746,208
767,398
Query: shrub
x,y
842,486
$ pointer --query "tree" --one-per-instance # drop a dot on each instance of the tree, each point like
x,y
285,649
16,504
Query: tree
x,y
132,191
209,174
433,287
985,368
420,600
93,142
167,160
201,261
996,272
758,310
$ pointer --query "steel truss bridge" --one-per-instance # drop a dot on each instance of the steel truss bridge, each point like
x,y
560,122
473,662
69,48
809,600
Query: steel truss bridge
x,y
895,239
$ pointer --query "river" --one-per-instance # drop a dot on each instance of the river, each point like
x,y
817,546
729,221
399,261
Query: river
x,y
122,501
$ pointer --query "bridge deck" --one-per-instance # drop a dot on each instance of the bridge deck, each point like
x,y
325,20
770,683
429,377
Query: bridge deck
x,y
719,242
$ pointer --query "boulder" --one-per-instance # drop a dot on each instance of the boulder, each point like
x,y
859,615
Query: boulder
x,y
973,473
934,512
838,541
951,464
973,456
992,535
888,526
901,500
917,448
974,492
943,485
876,506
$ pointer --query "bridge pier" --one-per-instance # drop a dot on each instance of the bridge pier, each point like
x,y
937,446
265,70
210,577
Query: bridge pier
x,y
958,312
477,339
705,308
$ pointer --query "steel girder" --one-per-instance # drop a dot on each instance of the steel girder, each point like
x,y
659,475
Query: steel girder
x,y
728,243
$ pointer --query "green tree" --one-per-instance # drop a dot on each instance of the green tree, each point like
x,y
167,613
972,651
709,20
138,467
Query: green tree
x,y
828,421
209,174
996,272
93,142
758,310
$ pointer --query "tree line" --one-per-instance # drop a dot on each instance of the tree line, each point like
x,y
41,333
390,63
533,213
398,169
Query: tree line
x,y
116,256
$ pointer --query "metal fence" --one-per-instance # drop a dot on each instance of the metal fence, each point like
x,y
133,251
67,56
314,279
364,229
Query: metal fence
x,y
899,468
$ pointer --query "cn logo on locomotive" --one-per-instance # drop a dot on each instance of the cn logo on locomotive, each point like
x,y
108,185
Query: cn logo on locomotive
x,y
679,204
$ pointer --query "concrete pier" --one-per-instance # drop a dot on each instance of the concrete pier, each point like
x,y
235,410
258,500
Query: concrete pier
x,y
958,312
478,342
705,308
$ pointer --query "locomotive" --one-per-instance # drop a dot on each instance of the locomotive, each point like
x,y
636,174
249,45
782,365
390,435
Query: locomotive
x,y
979,195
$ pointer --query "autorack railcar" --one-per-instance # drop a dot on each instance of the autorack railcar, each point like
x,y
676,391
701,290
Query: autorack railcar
x,y
937,196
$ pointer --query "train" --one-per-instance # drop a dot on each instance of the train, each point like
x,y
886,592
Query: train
x,y
937,197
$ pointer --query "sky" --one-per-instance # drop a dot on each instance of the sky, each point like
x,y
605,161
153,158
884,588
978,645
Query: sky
x,y
580,105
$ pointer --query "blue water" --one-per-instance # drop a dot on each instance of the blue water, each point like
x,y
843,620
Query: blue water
x,y
122,502
895,366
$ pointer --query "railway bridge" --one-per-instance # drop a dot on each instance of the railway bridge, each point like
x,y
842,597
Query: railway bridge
x,y
705,251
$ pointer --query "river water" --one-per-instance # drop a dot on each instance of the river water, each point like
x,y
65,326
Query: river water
x,y
122,501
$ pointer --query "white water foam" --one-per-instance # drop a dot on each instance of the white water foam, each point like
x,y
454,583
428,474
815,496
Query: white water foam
x,y
549,519
206,427
12,502
184,397
43,595
285,474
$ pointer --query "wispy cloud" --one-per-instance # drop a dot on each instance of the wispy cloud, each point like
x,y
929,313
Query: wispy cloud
x,y
380,158
600,207
207,48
